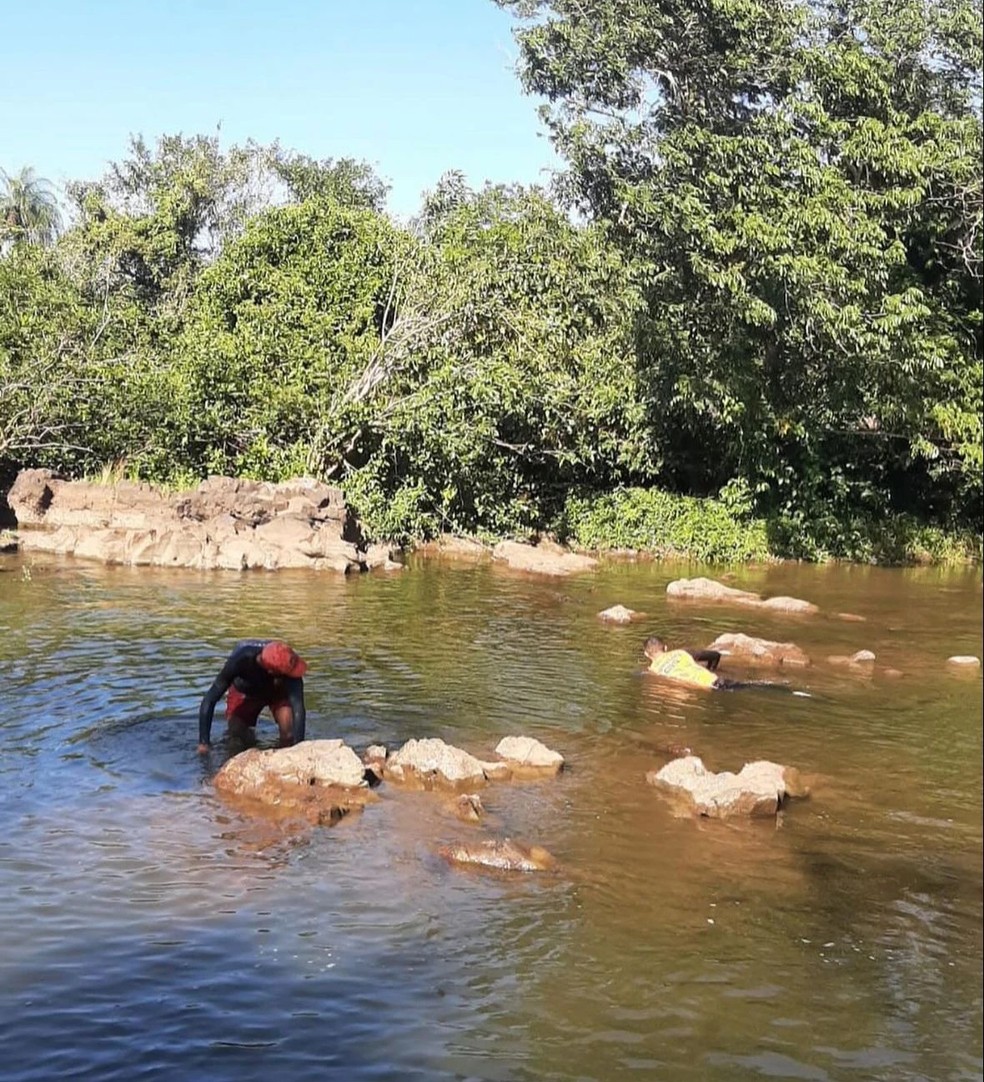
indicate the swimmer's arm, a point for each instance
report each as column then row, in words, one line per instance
column 710, row 658
column 295, row 696
column 220, row 685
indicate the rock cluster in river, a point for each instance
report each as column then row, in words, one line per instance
column 702, row 589
column 225, row 523
column 324, row 780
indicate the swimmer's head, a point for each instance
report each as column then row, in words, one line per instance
column 654, row 646
column 281, row 660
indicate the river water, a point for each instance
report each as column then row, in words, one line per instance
column 147, row 931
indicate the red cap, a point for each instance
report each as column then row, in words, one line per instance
column 282, row 660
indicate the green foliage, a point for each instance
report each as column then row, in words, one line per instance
column 654, row 521
column 280, row 330
column 29, row 211
column 801, row 187
column 895, row 539
column 761, row 336
column 508, row 371
column 345, row 181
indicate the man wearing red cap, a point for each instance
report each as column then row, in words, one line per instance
column 257, row 674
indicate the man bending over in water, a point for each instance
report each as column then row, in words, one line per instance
column 257, row 674
column 697, row 668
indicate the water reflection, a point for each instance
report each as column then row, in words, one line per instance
column 147, row 930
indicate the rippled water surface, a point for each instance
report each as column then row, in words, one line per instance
column 149, row 932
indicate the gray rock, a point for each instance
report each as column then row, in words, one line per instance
column 757, row 790
column 619, row 614
column 526, row 753
column 545, row 558
column 761, row 651
column 431, row 762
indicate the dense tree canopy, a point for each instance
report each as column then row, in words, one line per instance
column 801, row 187
column 758, row 281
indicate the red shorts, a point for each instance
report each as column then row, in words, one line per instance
column 245, row 709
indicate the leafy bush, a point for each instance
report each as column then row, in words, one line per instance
column 655, row 521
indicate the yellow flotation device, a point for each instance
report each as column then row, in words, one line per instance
column 678, row 665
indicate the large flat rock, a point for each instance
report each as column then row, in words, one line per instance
column 758, row 790
column 225, row 523
column 321, row 780
column 703, row 589
column 760, row 651
column 545, row 558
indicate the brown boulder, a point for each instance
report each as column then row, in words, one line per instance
column 703, row 589
column 757, row 791
column 468, row 807
column 321, row 780
column 760, row 651
column 451, row 547
column 226, row 523
column 545, row 558
column 499, row 855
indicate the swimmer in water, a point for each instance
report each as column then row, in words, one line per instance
column 698, row 668
column 257, row 674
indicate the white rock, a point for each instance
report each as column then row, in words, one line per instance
column 525, row 751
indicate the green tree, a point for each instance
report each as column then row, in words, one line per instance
column 28, row 209
column 800, row 185
column 506, row 376
column 346, row 181
column 281, row 327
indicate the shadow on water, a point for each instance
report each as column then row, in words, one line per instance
column 149, row 931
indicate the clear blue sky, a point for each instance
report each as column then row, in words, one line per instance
column 415, row 87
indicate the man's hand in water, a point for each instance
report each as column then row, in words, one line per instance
column 203, row 749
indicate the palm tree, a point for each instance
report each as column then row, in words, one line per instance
column 28, row 208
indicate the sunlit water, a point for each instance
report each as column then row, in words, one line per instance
column 149, row 932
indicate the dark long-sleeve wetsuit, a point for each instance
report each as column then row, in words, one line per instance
column 243, row 671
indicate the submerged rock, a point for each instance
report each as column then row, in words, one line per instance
column 862, row 659
column 758, row 790
column 703, row 589
column 525, row 754
column 619, row 614
column 762, row 651
column 468, row 807
column 503, row 855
